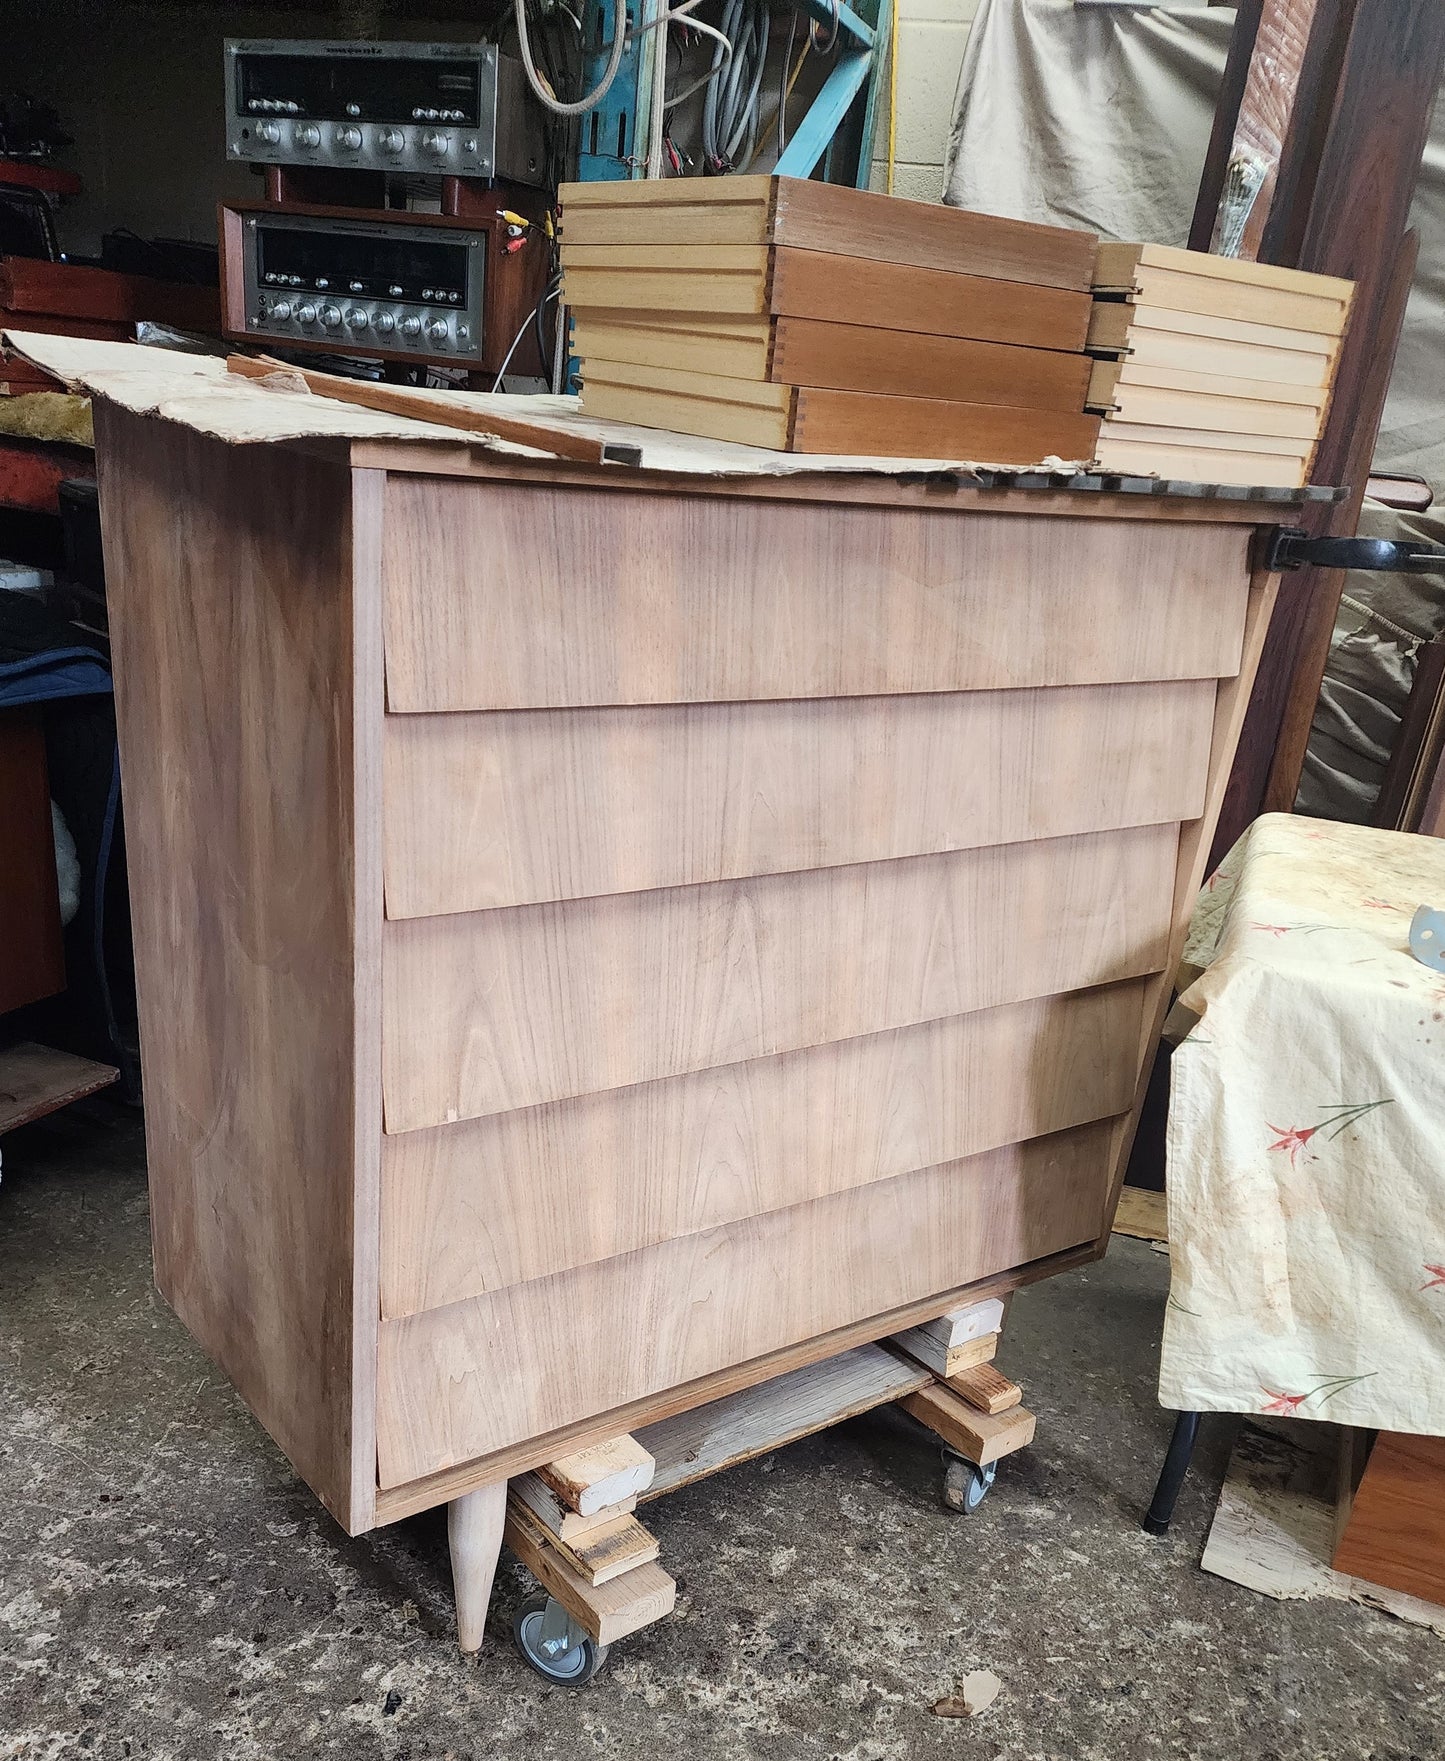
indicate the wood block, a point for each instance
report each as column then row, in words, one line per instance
column 607, row 1611
column 975, row 1321
column 692, row 1445
column 945, row 1360
column 1395, row 1533
column 594, row 1478
column 604, row 1552
column 983, row 1387
column 560, row 1522
column 977, row 1436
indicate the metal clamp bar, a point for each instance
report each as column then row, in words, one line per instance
column 1291, row 548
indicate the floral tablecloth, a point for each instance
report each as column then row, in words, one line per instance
column 1306, row 1168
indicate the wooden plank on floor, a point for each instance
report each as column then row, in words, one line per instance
column 1142, row 1214
column 975, row 1435
column 605, row 1611
column 36, row 1080
column 596, row 1477
column 740, row 1427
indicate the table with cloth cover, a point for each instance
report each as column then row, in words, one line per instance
column 1306, row 1167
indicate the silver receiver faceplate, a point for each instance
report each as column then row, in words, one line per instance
column 455, row 109
column 365, row 285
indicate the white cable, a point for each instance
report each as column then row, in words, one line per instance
column 697, row 24
column 620, row 39
column 656, row 110
column 594, row 97
column 530, row 319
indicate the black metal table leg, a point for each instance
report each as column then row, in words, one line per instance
column 1171, row 1476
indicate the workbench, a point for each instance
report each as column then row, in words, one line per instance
column 607, row 936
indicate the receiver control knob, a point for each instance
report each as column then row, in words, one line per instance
column 411, row 325
column 306, row 134
column 385, row 323
column 357, row 318
column 270, row 132
column 391, row 140
column 348, row 137
column 437, row 330
column 437, row 141
column 331, row 317
column 306, row 313
column 280, row 311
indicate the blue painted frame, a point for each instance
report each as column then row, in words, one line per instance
column 855, row 67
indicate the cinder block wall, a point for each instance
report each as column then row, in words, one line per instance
column 931, row 37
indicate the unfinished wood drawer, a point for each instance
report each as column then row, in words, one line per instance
column 540, row 1002
column 691, row 598
column 490, row 810
column 479, row 1205
column 458, row 1382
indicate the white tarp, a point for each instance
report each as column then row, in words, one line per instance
column 1099, row 116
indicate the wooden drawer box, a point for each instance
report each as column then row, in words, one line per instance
column 603, row 938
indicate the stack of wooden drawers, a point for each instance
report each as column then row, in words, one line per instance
column 812, row 318
column 1209, row 368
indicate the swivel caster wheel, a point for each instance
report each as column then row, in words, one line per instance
column 965, row 1483
column 553, row 1644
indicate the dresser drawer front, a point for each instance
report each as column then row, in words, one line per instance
column 482, row 811
column 457, row 1383
column 695, row 599
column 495, row 1010
column 474, row 1207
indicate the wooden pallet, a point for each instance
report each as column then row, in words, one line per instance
column 572, row 1522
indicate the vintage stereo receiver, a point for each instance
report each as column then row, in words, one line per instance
column 400, row 285
column 441, row 108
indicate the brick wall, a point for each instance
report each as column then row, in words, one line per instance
column 931, row 38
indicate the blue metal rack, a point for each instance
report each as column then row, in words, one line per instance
column 613, row 139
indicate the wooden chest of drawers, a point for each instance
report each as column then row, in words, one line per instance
column 604, row 938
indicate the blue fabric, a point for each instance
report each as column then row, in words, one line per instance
column 53, row 673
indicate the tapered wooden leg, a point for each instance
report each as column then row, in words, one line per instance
column 474, row 1528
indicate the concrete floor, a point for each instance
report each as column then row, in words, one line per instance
column 168, row 1589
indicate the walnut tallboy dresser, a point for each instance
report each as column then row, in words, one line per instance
column 606, row 936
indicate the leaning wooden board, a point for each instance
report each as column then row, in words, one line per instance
column 802, row 857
